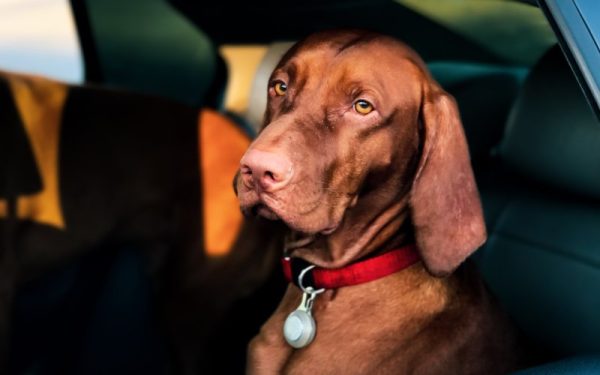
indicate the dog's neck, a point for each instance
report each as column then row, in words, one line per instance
column 369, row 228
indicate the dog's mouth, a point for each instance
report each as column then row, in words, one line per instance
column 318, row 214
column 263, row 210
column 294, row 222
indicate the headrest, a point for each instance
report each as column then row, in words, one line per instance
column 152, row 49
column 552, row 134
column 258, row 94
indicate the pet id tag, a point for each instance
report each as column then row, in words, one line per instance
column 300, row 328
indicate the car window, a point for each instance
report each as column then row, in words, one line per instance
column 576, row 22
column 514, row 31
column 39, row 36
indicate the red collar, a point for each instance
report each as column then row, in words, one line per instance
column 353, row 274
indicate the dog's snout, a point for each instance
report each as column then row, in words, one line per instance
column 268, row 170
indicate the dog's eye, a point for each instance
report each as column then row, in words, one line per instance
column 280, row 88
column 363, row 107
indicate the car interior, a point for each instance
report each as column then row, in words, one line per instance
column 157, row 79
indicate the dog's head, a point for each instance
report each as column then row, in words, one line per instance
column 355, row 130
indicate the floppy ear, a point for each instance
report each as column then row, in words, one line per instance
column 444, row 201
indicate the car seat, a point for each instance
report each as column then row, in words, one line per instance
column 541, row 198
column 149, row 47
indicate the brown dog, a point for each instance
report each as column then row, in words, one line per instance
column 361, row 153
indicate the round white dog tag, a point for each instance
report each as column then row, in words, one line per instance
column 299, row 329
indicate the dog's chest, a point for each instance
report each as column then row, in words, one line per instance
column 359, row 330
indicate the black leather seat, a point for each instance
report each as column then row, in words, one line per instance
column 541, row 197
column 485, row 94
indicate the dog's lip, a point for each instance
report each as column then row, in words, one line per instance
column 266, row 212
column 305, row 240
column 266, row 206
column 329, row 230
column 271, row 212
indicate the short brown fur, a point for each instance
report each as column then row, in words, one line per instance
column 364, row 185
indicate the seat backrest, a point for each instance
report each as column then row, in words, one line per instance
column 542, row 204
column 83, row 165
column 92, row 173
column 485, row 94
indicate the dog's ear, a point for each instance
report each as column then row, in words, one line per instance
column 444, row 201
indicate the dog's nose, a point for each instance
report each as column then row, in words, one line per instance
column 268, row 170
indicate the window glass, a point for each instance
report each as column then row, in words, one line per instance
column 514, row 31
column 40, row 37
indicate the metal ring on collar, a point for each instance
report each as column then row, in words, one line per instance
column 309, row 289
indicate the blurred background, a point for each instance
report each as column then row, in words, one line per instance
column 41, row 36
